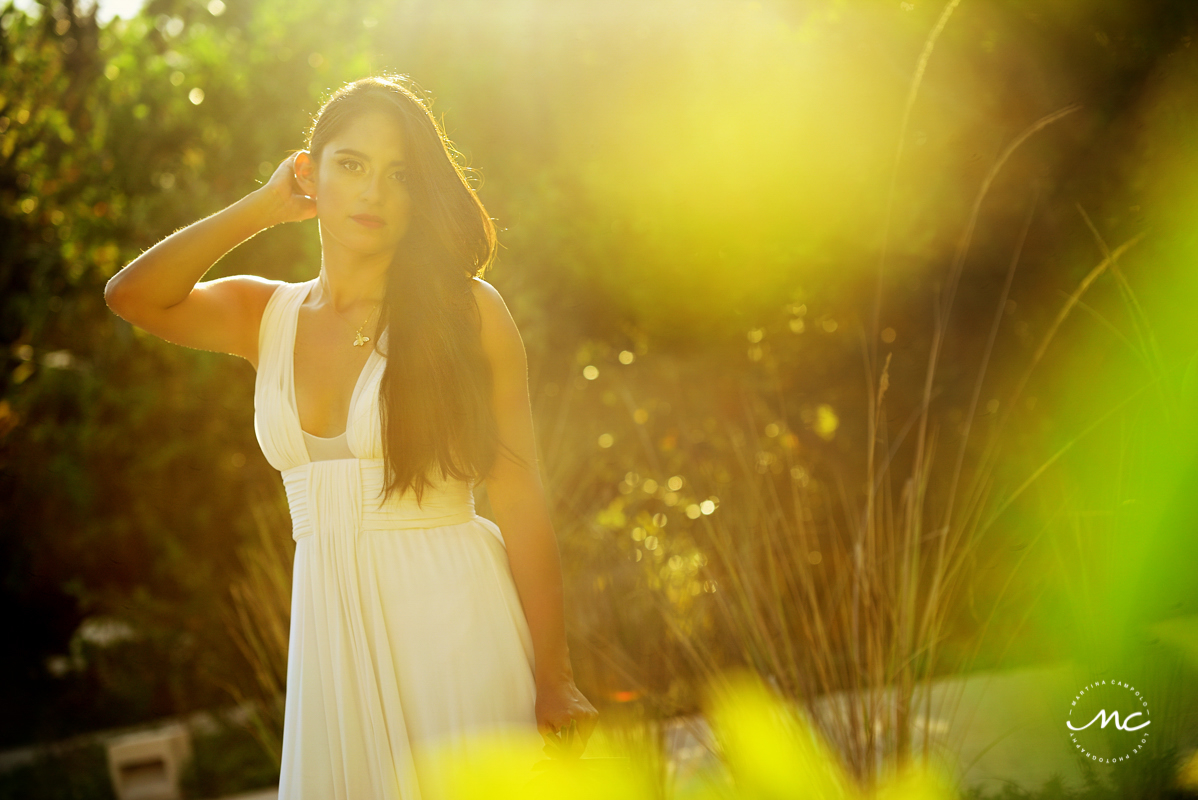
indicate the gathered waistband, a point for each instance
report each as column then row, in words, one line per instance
column 347, row 494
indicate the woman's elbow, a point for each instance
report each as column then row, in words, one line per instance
column 113, row 295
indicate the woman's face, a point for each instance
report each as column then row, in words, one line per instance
column 360, row 184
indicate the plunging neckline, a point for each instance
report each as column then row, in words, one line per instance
column 353, row 398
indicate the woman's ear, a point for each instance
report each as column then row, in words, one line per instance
column 305, row 173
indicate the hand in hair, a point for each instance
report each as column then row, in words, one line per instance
column 288, row 203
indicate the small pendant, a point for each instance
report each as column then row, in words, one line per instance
column 360, row 339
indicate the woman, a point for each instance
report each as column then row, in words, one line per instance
column 386, row 387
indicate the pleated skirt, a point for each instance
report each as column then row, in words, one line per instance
column 404, row 645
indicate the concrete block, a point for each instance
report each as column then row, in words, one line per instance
column 147, row 765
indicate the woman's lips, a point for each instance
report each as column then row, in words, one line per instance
column 368, row 220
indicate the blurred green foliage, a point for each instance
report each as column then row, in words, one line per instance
column 689, row 201
column 225, row 762
column 76, row 773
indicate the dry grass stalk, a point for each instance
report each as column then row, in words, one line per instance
column 258, row 619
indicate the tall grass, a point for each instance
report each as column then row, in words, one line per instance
column 842, row 603
column 848, row 615
column 258, row 619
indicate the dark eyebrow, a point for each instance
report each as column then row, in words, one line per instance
column 365, row 157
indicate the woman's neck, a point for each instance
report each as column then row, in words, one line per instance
column 349, row 280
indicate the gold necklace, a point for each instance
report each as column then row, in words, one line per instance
column 359, row 339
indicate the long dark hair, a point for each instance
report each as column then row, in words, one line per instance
column 435, row 396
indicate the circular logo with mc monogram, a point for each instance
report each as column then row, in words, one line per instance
column 1109, row 721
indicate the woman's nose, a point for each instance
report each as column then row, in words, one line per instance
column 374, row 187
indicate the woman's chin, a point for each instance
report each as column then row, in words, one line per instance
column 363, row 243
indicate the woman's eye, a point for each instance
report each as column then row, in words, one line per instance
column 349, row 165
column 402, row 176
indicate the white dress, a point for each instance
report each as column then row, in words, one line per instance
column 407, row 631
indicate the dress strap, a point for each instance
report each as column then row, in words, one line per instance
column 270, row 326
column 281, row 441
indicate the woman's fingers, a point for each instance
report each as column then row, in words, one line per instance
column 565, row 719
column 587, row 726
column 305, row 206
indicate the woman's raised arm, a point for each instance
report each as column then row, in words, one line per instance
column 159, row 291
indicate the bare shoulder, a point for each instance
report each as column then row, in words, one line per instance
column 253, row 291
column 258, row 292
column 486, row 294
column 491, row 306
column 500, row 337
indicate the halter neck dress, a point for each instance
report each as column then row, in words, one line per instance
column 407, row 634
